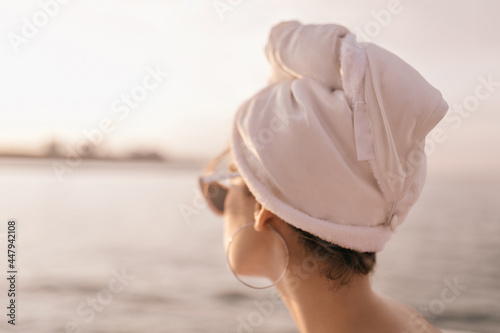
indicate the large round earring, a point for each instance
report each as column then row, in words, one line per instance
column 260, row 266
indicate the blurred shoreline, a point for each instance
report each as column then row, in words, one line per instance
column 35, row 161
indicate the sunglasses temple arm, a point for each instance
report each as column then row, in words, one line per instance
column 217, row 177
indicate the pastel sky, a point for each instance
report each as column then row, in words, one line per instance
column 71, row 72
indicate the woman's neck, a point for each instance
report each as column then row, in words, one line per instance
column 317, row 307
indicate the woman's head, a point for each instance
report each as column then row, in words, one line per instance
column 333, row 148
column 261, row 242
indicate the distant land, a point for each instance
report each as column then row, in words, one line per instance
column 57, row 150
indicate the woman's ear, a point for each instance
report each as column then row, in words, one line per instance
column 261, row 216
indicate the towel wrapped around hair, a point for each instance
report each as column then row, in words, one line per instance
column 334, row 145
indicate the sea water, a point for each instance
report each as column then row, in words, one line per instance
column 130, row 247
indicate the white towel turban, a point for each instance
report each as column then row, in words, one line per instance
column 334, row 145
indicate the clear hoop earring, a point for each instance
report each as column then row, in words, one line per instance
column 250, row 280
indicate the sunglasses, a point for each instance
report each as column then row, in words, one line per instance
column 214, row 188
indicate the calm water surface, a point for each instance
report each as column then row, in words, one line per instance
column 108, row 219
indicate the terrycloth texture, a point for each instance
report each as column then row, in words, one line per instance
column 334, row 144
